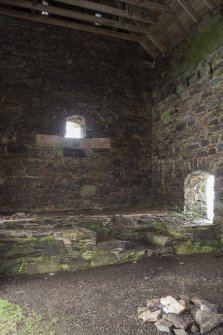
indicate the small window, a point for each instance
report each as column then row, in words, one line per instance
column 46, row 4
column 199, row 195
column 75, row 127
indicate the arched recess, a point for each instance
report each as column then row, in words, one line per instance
column 199, row 195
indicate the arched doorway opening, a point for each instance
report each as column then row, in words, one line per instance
column 199, row 195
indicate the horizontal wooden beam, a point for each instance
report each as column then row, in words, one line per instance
column 108, row 10
column 72, row 143
column 66, row 24
column 76, row 15
column 189, row 10
column 147, row 4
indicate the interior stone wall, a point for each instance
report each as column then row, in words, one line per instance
column 48, row 74
column 187, row 115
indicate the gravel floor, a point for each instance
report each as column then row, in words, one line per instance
column 104, row 301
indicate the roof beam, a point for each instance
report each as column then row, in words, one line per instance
column 210, row 4
column 147, row 4
column 189, row 10
column 76, row 15
column 144, row 43
column 66, row 24
column 108, row 10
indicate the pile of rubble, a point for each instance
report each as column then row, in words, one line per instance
column 185, row 316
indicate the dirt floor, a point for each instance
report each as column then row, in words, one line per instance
column 104, row 301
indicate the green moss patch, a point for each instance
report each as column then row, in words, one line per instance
column 14, row 320
column 205, row 40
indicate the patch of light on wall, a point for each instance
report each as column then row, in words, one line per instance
column 73, row 130
column 210, row 198
column 98, row 15
column 45, row 3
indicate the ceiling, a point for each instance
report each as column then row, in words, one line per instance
column 155, row 24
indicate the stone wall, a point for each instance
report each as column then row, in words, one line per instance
column 48, row 74
column 187, row 115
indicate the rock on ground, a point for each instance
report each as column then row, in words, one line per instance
column 163, row 326
column 171, row 305
column 204, row 305
column 149, row 316
column 207, row 320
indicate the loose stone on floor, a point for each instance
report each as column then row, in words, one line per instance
column 184, row 316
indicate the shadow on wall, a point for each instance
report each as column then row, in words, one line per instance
column 199, row 195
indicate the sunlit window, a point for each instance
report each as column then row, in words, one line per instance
column 210, row 198
column 73, row 130
column 75, row 127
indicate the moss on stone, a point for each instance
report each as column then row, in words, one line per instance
column 88, row 191
column 131, row 255
column 104, row 259
column 206, row 39
column 14, row 320
column 191, row 247
column 165, row 117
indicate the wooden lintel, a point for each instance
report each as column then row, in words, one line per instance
column 72, row 143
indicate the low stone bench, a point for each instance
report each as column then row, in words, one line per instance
column 57, row 243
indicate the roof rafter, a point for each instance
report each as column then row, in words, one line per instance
column 210, row 4
column 67, row 24
column 147, row 4
column 107, row 9
column 189, row 10
column 76, row 15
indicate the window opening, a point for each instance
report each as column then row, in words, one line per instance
column 75, row 127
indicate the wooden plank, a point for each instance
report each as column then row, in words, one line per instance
column 210, row 4
column 175, row 19
column 72, row 143
column 189, row 10
column 76, row 15
column 95, row 143
column 48, row 140
column 145, row 44
column 67, row 24
column 157, row 43
column 153, row 39
column 147, row 4
column 108, row 9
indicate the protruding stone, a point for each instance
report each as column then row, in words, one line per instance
column 171, row 305
column 195, row 330
column 163, row 326
column 180, row 332
column 186, row 299
column 178, row 321
column 208, row 320
column 141, row 310
column 111, row 244
column 159, row 240
column 204, row 305
column 153, row 304
column 149, row 316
